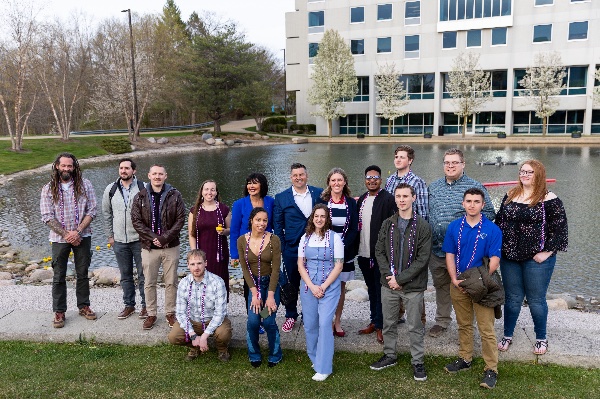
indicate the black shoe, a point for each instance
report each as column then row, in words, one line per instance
column 272, row 364
column 256, row 364
column 458, row 365
column 385, row 362
column 419, row 372
column 489, row 379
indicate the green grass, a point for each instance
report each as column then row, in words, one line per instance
column 87, row 370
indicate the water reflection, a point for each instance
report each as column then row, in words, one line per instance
column 575, row 169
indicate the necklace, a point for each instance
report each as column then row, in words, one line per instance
column 347, row 222
column 61, row 205
column 189, row 309
column 220, row 221
column 462, row 225
column 260, row 249
column 360, row 211
column 412, row 237
column 155, row 223
column 543, row 238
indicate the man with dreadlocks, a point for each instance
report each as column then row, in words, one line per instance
column 68, row 206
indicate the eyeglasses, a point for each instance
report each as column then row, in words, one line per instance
column 372, row 177
column 453, row 163
column 526, row 172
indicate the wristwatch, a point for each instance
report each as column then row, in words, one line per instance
column 193, row 337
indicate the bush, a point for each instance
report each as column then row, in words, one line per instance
column 270, row 123
column 305, row 128
column 116, row 145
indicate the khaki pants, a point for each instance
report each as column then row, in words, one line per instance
column 464, row 308
column 441, row 282
column 151, row 262
column 222, row 334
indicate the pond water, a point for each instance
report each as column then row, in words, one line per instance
column 574, row 168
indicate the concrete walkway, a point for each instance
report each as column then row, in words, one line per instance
column 574, row 337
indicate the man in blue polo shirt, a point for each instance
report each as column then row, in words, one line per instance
column 468, row 240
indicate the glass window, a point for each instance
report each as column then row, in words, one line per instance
column 384, row 12
column 544, row 2
column 506, row 7
column 411, row 46
column 487, row 8
column 357, row 14
column 316, row 21
column 444, row 10
column 384, row 44
column 469, row 11
column 449, row 40
column 363, row 89
column 412, row 13
column 357, row 46
column 418, row 86
column 460, row 10
column 580, row 1
column 496, row 8
column 578, row 30
column 499, row 36
column 354, row 123
column 313, row 49
column 478, row 8
column 474, row 38
column 575, row 81
column 542, row 33
column 413, row 123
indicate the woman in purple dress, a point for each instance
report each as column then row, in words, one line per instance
column 208, row 227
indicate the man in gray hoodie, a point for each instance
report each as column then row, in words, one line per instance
column 122, row 237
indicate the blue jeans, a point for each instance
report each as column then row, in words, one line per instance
column 269, row 324
column 372, row 278
column 526, row 279
column 291, row 268
column 127, row 254
column 82, row 256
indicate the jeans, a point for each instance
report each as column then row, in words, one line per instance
column 526, row 279
column 291, row 268
column 269, row 324
column 82, row 255
column 372, row 278
column 127, row 254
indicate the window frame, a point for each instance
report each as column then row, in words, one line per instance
column 455, row 40
column 587, row 31
column 311, row 60
column 412, row 52
column 505, row 28
column 542, row 41
column 535, row 3
column 363, row 16
column 467, row 38
column 384, row 52
column 363, row 47
column 391, row 12
column 409, row 21
column 316, row 28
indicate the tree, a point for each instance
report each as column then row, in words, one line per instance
column 468, row 85
column 334, row 78
column 17, row 92
column 542, row 83
column 391, row 94
column 597, row 88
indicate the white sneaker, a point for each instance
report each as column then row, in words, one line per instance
column 320, row 377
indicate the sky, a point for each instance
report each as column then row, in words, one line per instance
column 263, row 21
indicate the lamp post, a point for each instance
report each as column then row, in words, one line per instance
column 284, row 86
column 136, row 114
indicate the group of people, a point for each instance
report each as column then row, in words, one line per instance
column 304, row 242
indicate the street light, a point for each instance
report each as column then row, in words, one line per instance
column 136, row 115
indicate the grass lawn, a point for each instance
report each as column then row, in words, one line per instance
column 87, row 370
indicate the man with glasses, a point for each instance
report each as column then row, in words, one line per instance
column 445, row 206
column 374, row 207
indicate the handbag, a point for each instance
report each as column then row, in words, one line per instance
column 287, row 293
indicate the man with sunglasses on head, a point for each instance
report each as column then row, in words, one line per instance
column 445, row 206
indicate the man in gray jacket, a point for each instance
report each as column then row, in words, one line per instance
column 125, row 241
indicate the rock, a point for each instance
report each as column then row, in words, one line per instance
column 39, row 275
column 219, row 142
column 580, row 298
column 162, row 140
column 256, row 136
column 31, row 267
column 9, row 256
column 594, row 302
column 5, row 276
column 16, row 266
column 38, row 261
column 232, row 282
column 238, row 141
column 47, row 281
column 151, row 140
column 181, row 273
column 299, row 140
column 206, row 136
column 557, row 304
column 7, row 282
column 107, row 275
column 358, row 295
column 210, row 141
column 354, row 284
column 230, row 143
column 4, row 243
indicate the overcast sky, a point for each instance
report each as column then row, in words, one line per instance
column 262, row 20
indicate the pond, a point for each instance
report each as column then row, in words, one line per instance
column 574, row 168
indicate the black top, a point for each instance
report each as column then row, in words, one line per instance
column 528, row 230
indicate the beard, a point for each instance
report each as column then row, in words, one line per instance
column 126, row 178
column 66, row 175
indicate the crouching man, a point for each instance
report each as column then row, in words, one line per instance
column 201, row 310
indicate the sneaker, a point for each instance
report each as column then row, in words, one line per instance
column 87, row 313
column 192, row 354
column 149, row 323
column 458, row 365
column 320, row 377
column 128, row 311
column 143, row 313
column 288, row 325
column 489, row 379
column 171, row 319
column 261, row 330
column 59, row 320
column 385, row 362
column 436, row 331
column 224, row 356
column 419, row 372
column 256, row 363
column 504, row 344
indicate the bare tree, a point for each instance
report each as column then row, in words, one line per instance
column 17, row 94
column 597, row 88
column 62, row 70
column 391, row 94
column 468, row 86
column 542, row 83
column 334, row 78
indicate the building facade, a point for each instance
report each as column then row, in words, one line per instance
column 422, row 38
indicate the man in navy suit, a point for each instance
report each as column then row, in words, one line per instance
column 290, row 213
